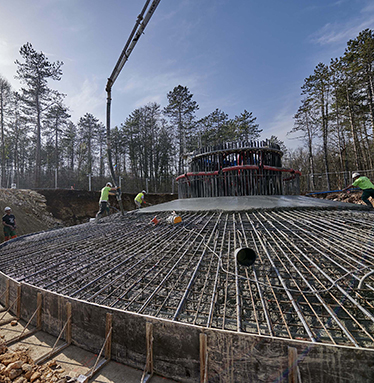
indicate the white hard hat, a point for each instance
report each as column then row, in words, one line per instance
column 354, row 175
column 109, row 184
column 144, row 192
column 7, row 208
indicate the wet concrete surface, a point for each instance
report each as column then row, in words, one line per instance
column 248, row 203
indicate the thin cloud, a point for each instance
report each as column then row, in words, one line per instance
column 283, row 122
column 87, row 100
column 161, row 84
column 337, row 33
column 8, row 54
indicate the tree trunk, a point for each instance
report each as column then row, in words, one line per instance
column 2, row 175
column 324, row 141
column 371, row 108
column 353, row 131
column 56, row 153
column 38, row 146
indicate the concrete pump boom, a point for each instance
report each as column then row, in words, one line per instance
column 137, row 31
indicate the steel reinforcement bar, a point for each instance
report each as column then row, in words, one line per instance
column 303, row 284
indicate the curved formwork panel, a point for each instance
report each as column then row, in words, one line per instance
column 208, row 315
column 190, row 353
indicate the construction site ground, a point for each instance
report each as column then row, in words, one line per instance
column 37, row 211
column 53, row 208
column 46, row 210
column 249, row 203
column 351, row 197
column 69, row 364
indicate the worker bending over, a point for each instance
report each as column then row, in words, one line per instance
column 363, row 183
column 139, row 199
column 106, row 191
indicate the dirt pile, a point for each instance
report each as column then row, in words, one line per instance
column 73, row 207
column 30, row 210
column 352, row 197
column 18, row 367
column 47, row 209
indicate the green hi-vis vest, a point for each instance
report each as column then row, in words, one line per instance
column 139, row 197
column 105, row 193
column 363, row 183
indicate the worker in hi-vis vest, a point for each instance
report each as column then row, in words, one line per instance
column 365, row 185
column 139, row 199
column 106, row 191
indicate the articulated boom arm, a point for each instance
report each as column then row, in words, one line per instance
column 137, row 31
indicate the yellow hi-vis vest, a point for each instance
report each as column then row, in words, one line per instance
column 139, row 197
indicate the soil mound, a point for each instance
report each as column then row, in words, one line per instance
column 30, row 210
column 47, row 209
column 351, row 197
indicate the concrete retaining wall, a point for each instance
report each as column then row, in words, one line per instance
column 231, row 357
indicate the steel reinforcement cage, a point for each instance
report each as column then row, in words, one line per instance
column 238, row 169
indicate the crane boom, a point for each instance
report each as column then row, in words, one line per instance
column 135, row 34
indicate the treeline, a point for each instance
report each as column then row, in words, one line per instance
column 41, row 147
column 336, row 117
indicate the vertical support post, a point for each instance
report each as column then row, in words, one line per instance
column 39, row 302
column 292, row 365
column 108, row 328
column 19, row 301
column 68, row 326
column 7, row 294
column 149, row 337
column 148, row 371
column 203, row 359
column 89, row 181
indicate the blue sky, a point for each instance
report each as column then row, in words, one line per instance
column 231, row 54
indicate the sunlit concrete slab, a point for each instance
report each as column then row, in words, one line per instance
column 248, row 203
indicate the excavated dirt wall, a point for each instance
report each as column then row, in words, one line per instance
column 47, row 209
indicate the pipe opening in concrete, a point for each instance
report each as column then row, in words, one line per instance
column 245, row 256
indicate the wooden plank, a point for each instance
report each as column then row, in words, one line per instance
column 68, row 326
column 292, row 365
column 149, row 338
column 148, row 371
column 19, row 291
column 7, row 297
column 39, row 302
column 23, row 336
column 203, row 358
column 108, row 328
column 50, row 355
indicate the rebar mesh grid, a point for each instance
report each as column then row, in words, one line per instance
column 303, row 284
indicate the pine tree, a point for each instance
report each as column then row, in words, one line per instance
column 181, row 110
column 359, row 60
column 246, row 127
column 35, row 72
column 317, row 89
column 88, row 133
column 305, row 123
column 56, row 120
column 69, row 143
column 215, row 128
column 5, row 97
